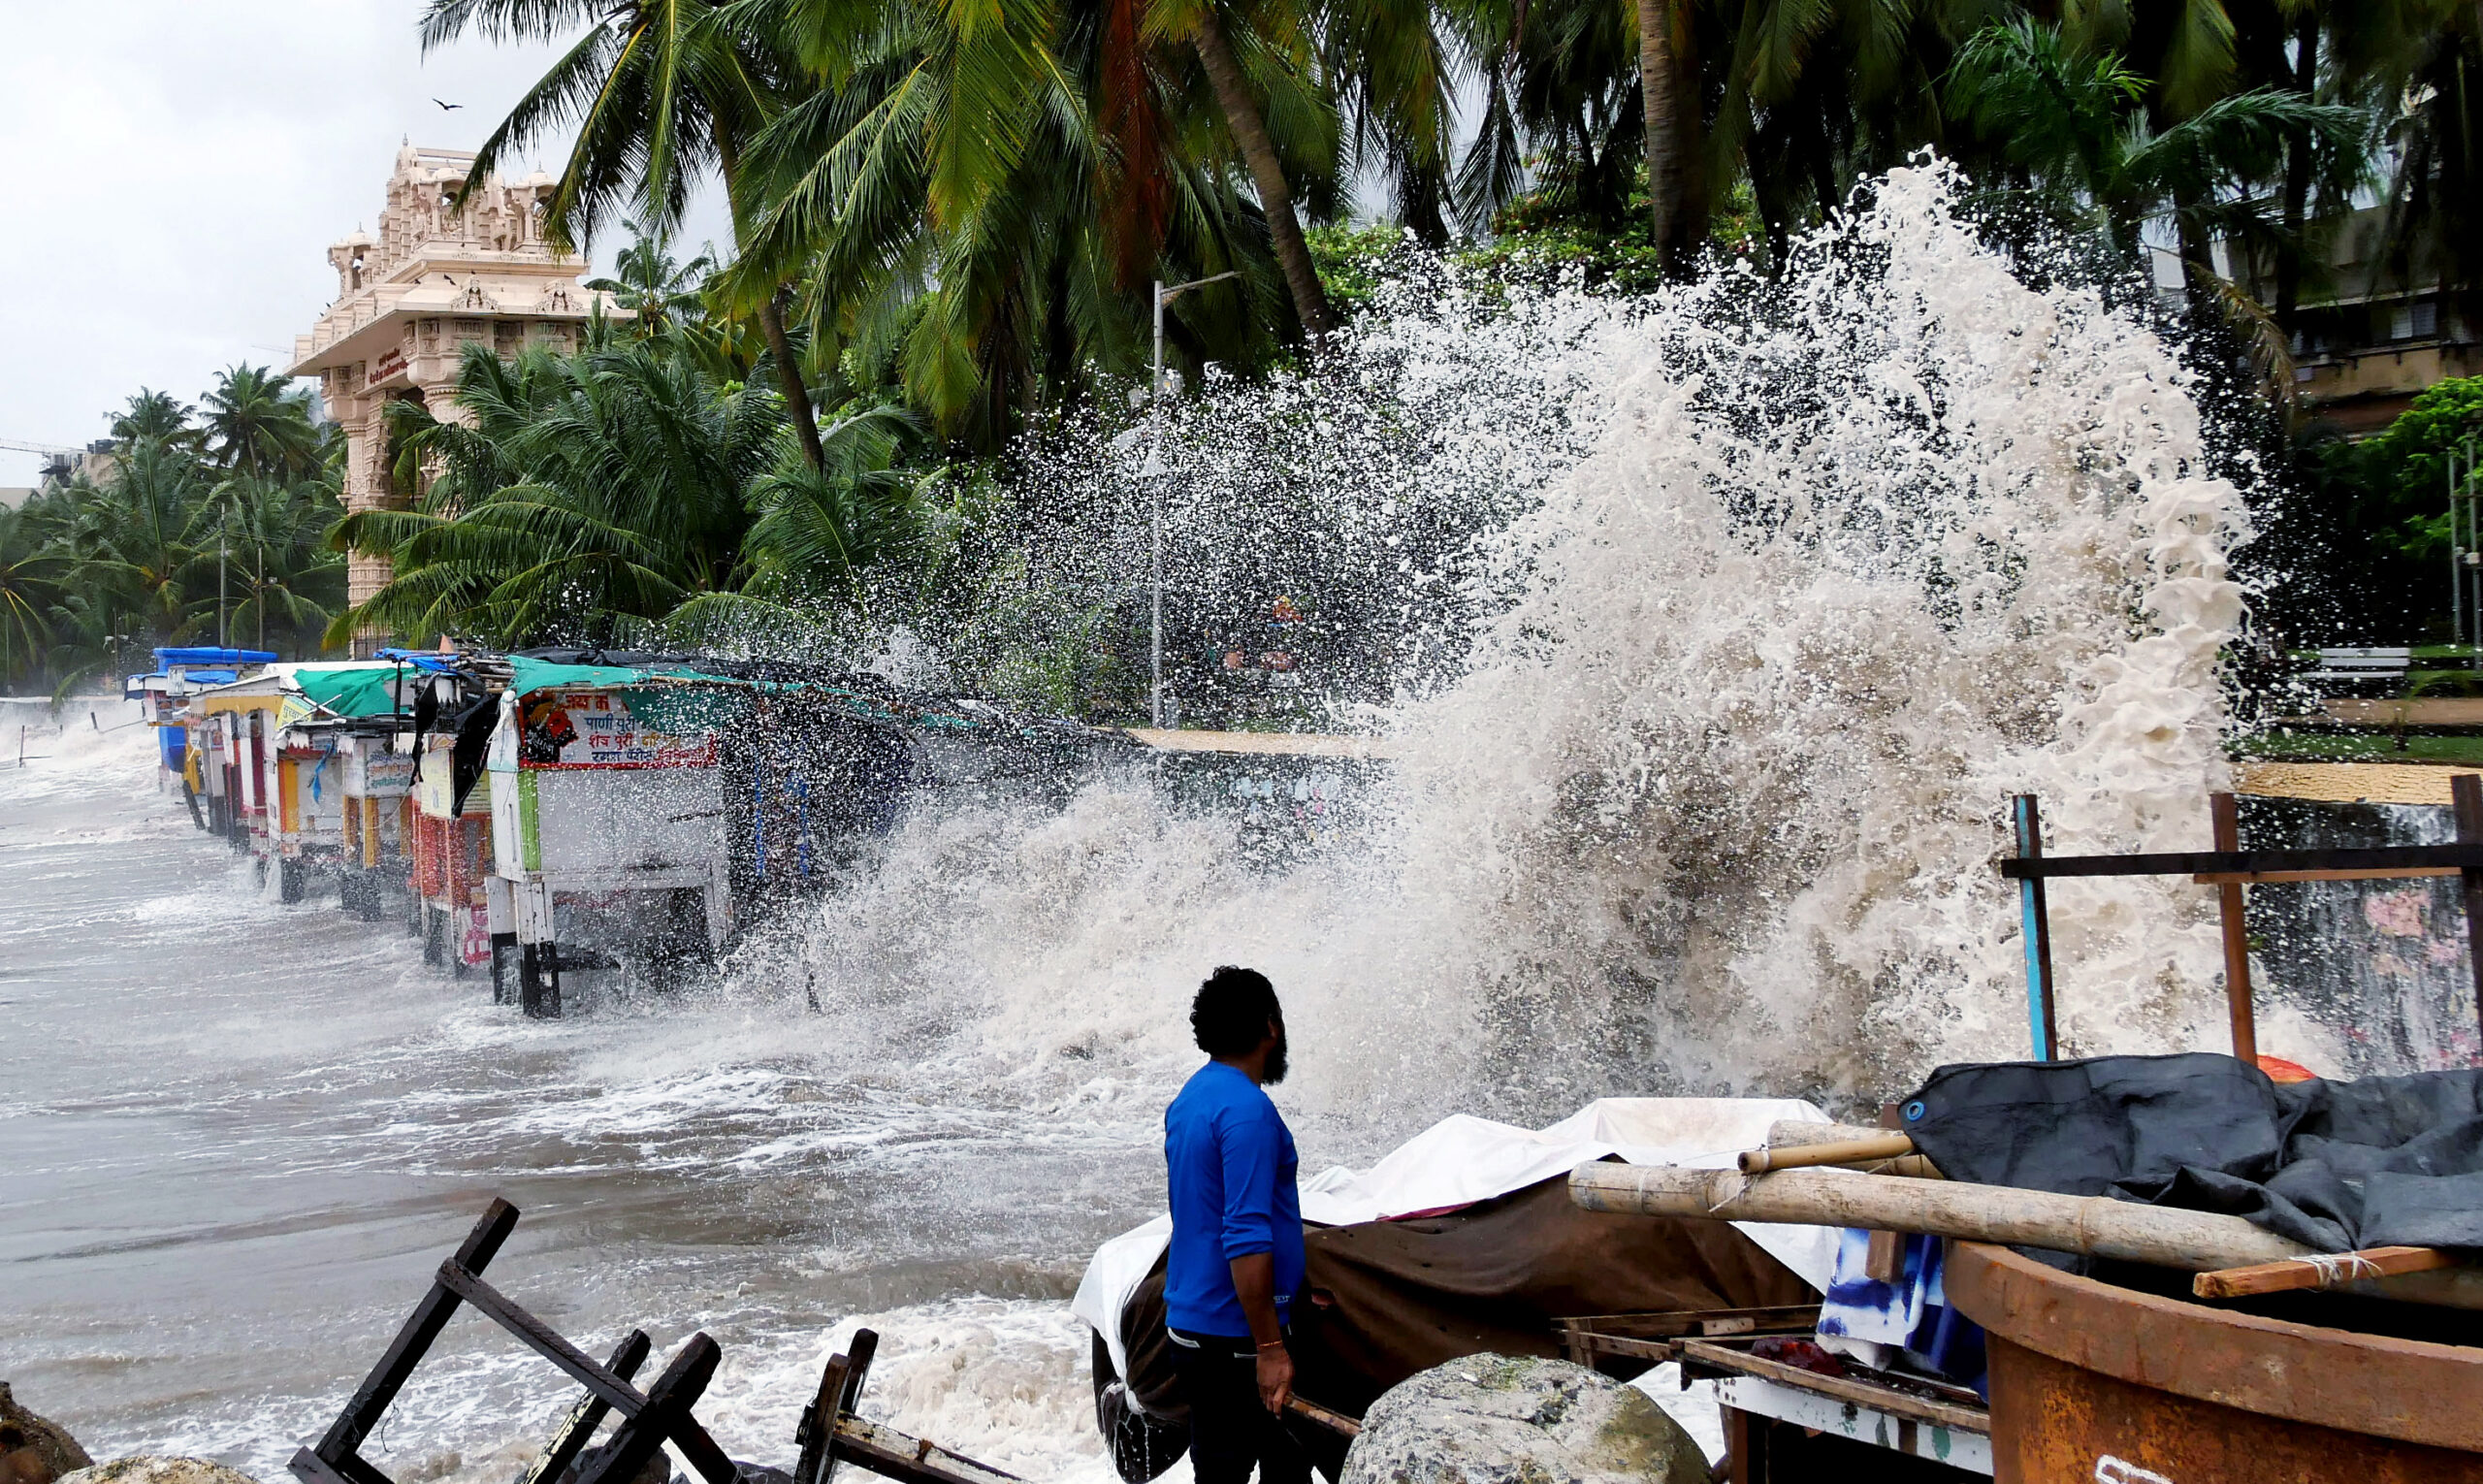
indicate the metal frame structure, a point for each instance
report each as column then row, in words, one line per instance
column 2228, row 867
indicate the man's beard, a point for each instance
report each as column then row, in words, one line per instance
column 1273, row 1072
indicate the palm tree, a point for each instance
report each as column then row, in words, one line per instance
column 1207, row 31
column 129, row 539
column 158, row 415
column 655, row 288
column 1664, row 127
column 968, row 213
column 2080, row 126
column 659, row 91
column 30, row 571
column 2435, row 196
column 590, row 490
column 257, row 426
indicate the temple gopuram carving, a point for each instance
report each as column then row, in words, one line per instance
column 432, row 280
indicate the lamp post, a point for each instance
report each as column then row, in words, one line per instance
column 1153, row 471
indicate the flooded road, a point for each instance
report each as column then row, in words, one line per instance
column 236, row 1137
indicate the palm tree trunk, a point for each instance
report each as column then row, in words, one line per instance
column 2198, row 257
column 771, row 318
column 1662, row 125
column 1275, row 197
column 789, row 380
column 2289, row 248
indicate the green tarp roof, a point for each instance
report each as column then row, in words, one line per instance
column 528, row 676
column 347, row 689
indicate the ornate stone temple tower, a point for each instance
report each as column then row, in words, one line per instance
column 434, row 280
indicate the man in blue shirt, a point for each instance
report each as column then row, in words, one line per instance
column 1235, row 1260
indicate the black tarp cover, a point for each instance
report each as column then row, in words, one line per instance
column 2334, row 1165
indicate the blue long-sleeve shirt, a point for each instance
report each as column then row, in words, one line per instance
column 1231, row 1169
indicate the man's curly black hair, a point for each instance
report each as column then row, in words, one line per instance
column 1229, row 1016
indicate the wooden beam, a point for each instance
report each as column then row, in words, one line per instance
column 665, row 1406
column 2253, row 878
column 1885, row 1398
column 816, row 1463
column 370, row 1399
column 577, row 1429
column 2462, row 855
column 310, row 1469
column 2225, row 816
column 504, row 1311
column 2326, row 1271
column 890, row 1453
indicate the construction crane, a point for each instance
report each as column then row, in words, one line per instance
column 21, row 445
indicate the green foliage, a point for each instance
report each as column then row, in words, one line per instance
column 591, row 498
column 200, row 529
column 1353, row 262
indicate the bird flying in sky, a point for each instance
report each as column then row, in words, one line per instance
column 445, row 106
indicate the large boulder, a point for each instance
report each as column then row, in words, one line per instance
column 151, row 1468
column 32, row 1449
column 1493, row 1419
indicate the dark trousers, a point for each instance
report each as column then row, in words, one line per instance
column 1231, row 1430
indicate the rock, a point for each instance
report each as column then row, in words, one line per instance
column 1493, row 1419
column 32, row 1449
column 151, row 1468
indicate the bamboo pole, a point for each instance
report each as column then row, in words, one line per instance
column 1844, row 1152
column 2095, row 1226
column 1791, row 1131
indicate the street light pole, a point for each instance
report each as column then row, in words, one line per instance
column 1153, row 473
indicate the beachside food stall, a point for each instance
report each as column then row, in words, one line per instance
column 607, row 812
column 163, row 698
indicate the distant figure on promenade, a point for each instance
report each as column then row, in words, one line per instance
column 1235, row 1260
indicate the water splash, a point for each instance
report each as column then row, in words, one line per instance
column 1774, row 592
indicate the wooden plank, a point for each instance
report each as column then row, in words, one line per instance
column 2464, row 854
column 1666, row 1323
column 816, row 1464
column 705, row 1455
column 890, row 1453
column 361, row 1412
column 2249, row 878
column 310, row 1469
column 1588, row 1344
column 626, row 1398
column 666, row 1405
column 577, row 1429
column 866, row 1348
column 2328, row 1271
column 1886, row 1398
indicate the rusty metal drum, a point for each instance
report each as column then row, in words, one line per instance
column 2097, row 1384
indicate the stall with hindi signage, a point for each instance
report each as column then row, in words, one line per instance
column 607, row 818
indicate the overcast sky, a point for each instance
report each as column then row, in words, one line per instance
column 172, row 173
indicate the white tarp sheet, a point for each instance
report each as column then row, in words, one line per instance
column 1462, row 1159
